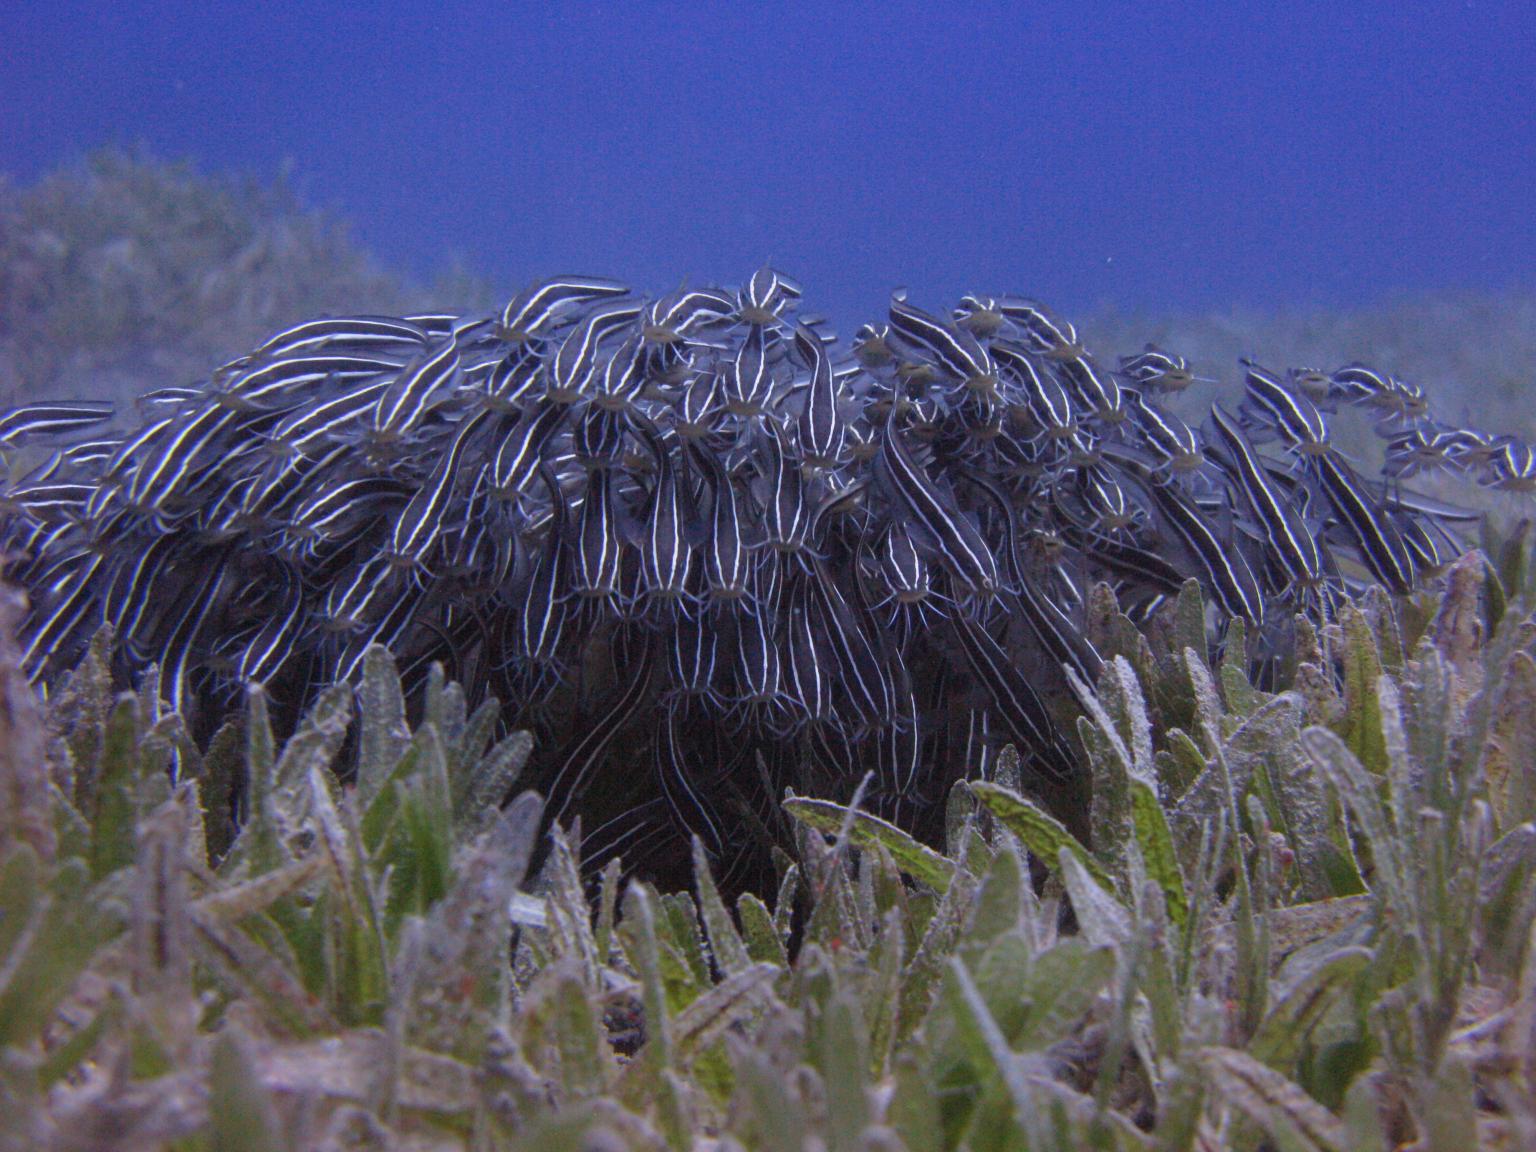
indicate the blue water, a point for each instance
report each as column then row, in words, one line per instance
column 1167, row 156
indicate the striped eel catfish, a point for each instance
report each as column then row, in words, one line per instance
column 702, row 548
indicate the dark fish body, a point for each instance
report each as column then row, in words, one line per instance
column 50, row 421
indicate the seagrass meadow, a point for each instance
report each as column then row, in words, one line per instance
column 1296, row 919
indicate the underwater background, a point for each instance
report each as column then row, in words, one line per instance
column 1305, row 182
column 981, row 729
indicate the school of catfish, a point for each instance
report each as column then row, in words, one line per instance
column 702, row 548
